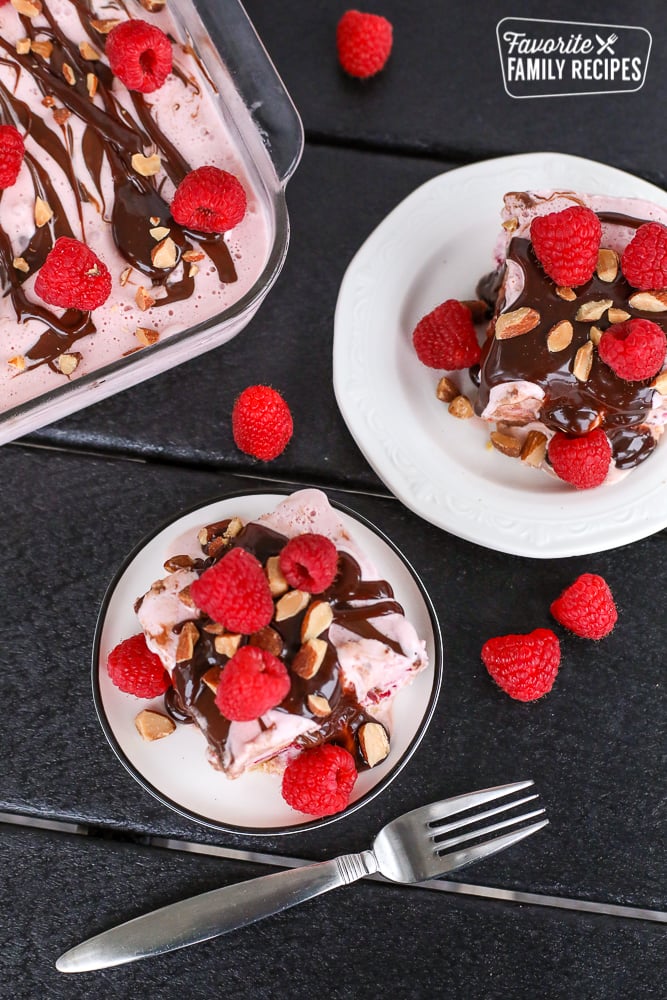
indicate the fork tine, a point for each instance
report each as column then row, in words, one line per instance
column 458, row 859
column 436, row 811
column 442, row 845
column 436, row 831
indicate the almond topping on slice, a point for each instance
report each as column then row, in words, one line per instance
column 104, row 27
column 159, row 233
column 147, row 166
column 91, row 84
column 186, row 642
column 21, row 264
column 226, row 645
column 87, row 51
column 125, row 276
column 43, row 212
column 61, row 115
column 506, row 444
column 143, row 298
column 153, row 6
column 510, row 225
column 193, row 271
column 214, row 628
column 373, row 743
column 212, row 678
column 583, row 361
column 560, row 336
column 617, row 315
column 174, row 563
column 653, row 301
column 607, row 265
column 446, row 390
column 192, row 256
column 566, row 294
column 29, row 8
column 590, row 312
column 68, row 73
column 153, row 726
column 164, row 255
column 309, row 658
column 516, row 323
column 316, row 620
column 43, row 49
column 318, row 705
column 461, row 408
column 23, row 46
column 68, row 363
column 291, row 604
column 17, row 362
column 595, row 335
column 278, row 585
column 269, row 639
column 185, row 597
column 660, row 383
column 534, row 448
column 146, row 336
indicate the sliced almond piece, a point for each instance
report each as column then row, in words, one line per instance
column 147, row 166
column 21, row 264
column 29, row 8
column 560, row 336
column 516, row 323
column 68, row 73
column 373, row 743
column 291, row 604
column 153, row 726
column 153, row 6
column 461, row 408
column 125, row 276
column 446, row 390
column 165, row 254
column 104, row 26
column 67, row 363
column 91, row 84
column 278, row 585
column 595, row 335
column 23, row 46
column 660, row 383
column 506, row 444
column 591, row 312
column 42, row 48
column 212, row 678
column 214, row 628
column 534, row 448
column 226, row 645
column 583, row 361
column 653, row 301
column 192, row 256
column 607, row 265
column 87, row 51
column 174, row 563
column 186, row 642
column 617, row 315
column 309, row 658
column 146, row 336
column 43, row 212
column 143, row 298
column 269, row 639
column 566, row 294
column 159, row 233
column 193, row 271
column 318, row 705
column 18, row 362
column 510, row 225
column 316, row 620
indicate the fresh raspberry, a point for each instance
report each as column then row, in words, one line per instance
column 644, row 260
column 586, row 607
column 566, row 244
column 446, row 338
column 309, row 562
column 261, row 422
column 252, row 682
column 524, row 666
column 136, row 670
column 73, row 277
column 583, row 462
column 634, row 350
column 364, row 43
column 11, row 155
column 320, row 780
column 235, row 593
column 139, row 55
column 209, row 200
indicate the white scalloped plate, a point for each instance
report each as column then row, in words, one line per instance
column 436, row 245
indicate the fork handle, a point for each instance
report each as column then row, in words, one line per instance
column 212, row 913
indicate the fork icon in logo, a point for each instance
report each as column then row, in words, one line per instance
column 606, row 46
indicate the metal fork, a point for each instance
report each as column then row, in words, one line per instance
column 412, row 848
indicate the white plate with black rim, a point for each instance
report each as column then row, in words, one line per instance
column 436, row 245
column 175, row 769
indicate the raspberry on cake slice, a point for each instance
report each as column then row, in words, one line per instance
column 573, row 365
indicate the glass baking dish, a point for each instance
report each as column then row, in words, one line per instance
column 256, row 110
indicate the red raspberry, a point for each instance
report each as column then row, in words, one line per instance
column 11, row 155
column 251, row 683
column 136, row 670
column 320, row 781
column 581, row 461
column 209, row 200
column 261, row 422
column 364, row 43
column 644, row 260
column 586, row 607
column 634, row 350
column 309, row 562
column 524, row 666
column 139, row 55
column 235, row 593
column 73, row 277
column 446, row 338
column 566, row 244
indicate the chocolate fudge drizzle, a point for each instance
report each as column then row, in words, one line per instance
column 571, row 406
column 113, row 135
column 192, row 697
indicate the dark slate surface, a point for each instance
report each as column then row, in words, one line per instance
column 352, row 943
column 442, row 91
column 595, row 746
column 335, row 202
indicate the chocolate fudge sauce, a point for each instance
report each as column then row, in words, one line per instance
column 111, row 134
column 569, row 405
column 193, row 697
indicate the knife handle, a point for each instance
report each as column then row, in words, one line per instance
column 212, row 913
